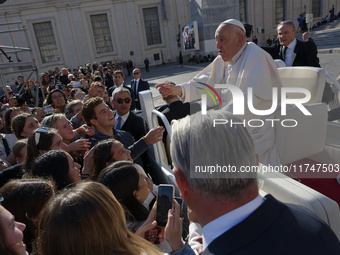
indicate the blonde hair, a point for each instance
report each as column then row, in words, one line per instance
column 87, row 219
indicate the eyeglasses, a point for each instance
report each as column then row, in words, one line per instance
column 135, row 73
column 121, row 100
column 57, row 96
column 37, row 134
column 11, row 93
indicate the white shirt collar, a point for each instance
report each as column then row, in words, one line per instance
column 225, row 222
column 292, row 45
column 289, row 53
column 124, row 117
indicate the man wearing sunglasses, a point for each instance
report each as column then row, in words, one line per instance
column 127, row 120
column 138, row 85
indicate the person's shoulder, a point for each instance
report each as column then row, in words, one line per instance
column 300, row 219
column 300, row 43
column 135, row 118
column 127, row 87
column 11, row 138
column 122, row 134
column 253, row 51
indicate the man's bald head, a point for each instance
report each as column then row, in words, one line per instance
column 305, row 36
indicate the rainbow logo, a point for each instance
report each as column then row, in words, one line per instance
column 209, row 93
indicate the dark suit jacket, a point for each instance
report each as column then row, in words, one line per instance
column 305, row 53
column 134, row 125
column 142, row 85
column 276, row 228
column 177, row 110
column 108, row 80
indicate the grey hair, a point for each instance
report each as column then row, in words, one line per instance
column 121, row 89
column 287, row 22
column 196, row 142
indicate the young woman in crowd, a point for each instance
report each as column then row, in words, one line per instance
column 25, row 199
column 11, row 237
column 106, row 152
column 23, row 125
column 57, row 165
column 20, row 151
column 2, row 119
column 64, row 77
column 39, row 142
column 109, row 151
column 87, row 219
column 65, row 130
column 76, row 147
column 9, row 115
column 7, row 142
column 130, row 187
column 57, row 99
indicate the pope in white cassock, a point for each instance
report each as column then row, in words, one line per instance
column 244, row 65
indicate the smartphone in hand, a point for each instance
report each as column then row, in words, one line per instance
column 165, row 198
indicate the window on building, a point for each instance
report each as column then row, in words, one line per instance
column 243, row 10
column 279, row 11
column 151, row 23
column 316, row 8
column 156, row 57
column 46, row 42
column 101, row 33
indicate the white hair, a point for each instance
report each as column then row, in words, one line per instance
column 198, row 144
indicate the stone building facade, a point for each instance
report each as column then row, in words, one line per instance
column 72, row 33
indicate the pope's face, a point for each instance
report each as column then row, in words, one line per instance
column 228, row 41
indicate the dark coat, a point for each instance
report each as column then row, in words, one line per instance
column 277, row 228
column 142, row 85
column 305, row 53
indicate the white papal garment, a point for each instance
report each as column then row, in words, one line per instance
column 250, row 67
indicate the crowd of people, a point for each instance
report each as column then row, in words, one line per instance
column 76, row 173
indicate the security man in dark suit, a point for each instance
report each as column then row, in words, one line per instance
column 126, row 119
column 138, row 85
column 292, row 51
column 129, row 121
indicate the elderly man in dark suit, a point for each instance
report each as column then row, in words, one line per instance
column 234, row 217
column 292, row 51
column 126, row 119
column 138, row 85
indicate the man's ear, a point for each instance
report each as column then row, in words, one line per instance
column 93, row 122
column 182, row 182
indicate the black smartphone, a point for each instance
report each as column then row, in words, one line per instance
column 180, row 202
column 165, row 197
